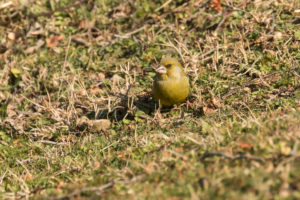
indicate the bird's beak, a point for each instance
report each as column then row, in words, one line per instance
column 161, row 70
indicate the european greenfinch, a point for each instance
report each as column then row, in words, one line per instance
column 171, row 84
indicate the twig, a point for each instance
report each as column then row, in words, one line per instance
column 162, row 6
column 99, row 190
column 2, row 177
column 225, row 15
column 294, row 150
column 36, row 104
column 242, row 4
column 252, row 66
column 239, row 157
column 51, row 142
column 109, row 145
column 127, row 35
column 212, row 50
column 64, row 68
column 255, row 158
column 80, row 42
column 193, row 140
column 273, row 24
column 212, row 154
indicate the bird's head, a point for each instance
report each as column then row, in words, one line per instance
column 169, row 68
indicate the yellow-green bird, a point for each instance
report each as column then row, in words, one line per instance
column 171, row 84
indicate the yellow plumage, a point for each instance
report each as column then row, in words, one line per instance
column 171, row 84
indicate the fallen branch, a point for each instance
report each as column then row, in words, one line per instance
column 238, row 157
column 98, row 190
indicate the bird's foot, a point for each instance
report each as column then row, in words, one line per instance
column 188, row 105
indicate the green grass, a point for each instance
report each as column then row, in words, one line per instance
column 77, row 118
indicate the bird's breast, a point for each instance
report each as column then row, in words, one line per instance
column 171, row 91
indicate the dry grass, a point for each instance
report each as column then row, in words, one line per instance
column 77, row 116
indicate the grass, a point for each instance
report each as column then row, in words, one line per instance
column 77, row 116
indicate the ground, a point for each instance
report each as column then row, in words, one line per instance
column 78, row 119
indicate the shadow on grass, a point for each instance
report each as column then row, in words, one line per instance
column 128, row 108
column 141, row 106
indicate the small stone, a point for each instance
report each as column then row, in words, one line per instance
column 116, row 79
column 277, row 35
column 11, row 36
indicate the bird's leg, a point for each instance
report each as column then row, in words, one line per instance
column 177, row 108
column 180, row 109
column 157, row 115
column 181, row 114
column 188, row 105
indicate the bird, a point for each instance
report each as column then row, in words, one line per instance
column 171, row 84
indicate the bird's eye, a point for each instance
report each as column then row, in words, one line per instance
column 168, row 65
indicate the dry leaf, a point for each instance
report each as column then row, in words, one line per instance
column 15, row 142
column 6, row 5
column 28, row 177
column 216, row 5
column 11, row 36
column 245, row 145
column 35, row 30
column 11, row 111
column 38, row 45
column 208, row 110
column 216, row 102
column 54, row 40
column 96, row 91
column 101, row 76
column 85, row 24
